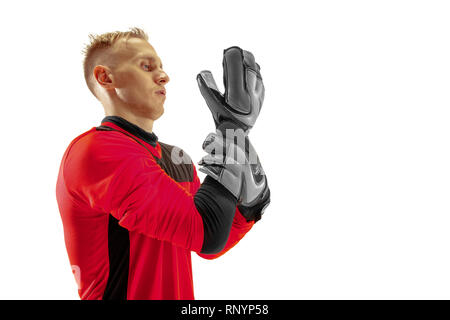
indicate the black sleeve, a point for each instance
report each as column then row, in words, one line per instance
column 217, row 207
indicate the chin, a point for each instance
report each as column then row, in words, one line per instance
column 157, row 115
column 152, row 111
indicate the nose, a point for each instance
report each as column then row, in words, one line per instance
column 163, row 78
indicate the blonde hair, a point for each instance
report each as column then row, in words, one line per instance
column 98, row 51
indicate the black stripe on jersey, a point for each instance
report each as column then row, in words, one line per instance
column 119, row 260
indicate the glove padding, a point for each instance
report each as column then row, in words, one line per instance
column 236, row 166
column 244, row 90
column 255, row 212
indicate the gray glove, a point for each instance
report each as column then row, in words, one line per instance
column 236, row 166
column 237, row 109
column 244, row 90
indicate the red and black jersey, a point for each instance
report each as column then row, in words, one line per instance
column 129, row 216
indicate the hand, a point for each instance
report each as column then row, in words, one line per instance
column 244, row 91
column 233, row 162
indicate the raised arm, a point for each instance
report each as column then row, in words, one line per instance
column 115, row 176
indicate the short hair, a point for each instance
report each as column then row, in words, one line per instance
column 100, row 47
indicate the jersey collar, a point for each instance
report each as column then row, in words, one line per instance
column 148, row 137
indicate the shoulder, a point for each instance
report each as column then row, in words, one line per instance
column 96, row 157
column 95, row 152
column 97, row 145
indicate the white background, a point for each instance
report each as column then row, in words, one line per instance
column 354, row 137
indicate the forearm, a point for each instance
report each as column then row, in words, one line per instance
column 239, row 229
column 217, row 207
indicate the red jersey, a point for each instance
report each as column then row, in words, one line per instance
column 129, row 217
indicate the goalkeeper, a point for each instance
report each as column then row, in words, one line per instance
column 133, row 207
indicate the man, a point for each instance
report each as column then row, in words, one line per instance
column 131, row 214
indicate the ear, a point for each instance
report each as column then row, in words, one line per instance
column 103, row 76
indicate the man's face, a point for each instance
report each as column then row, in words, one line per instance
column 139, row 78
